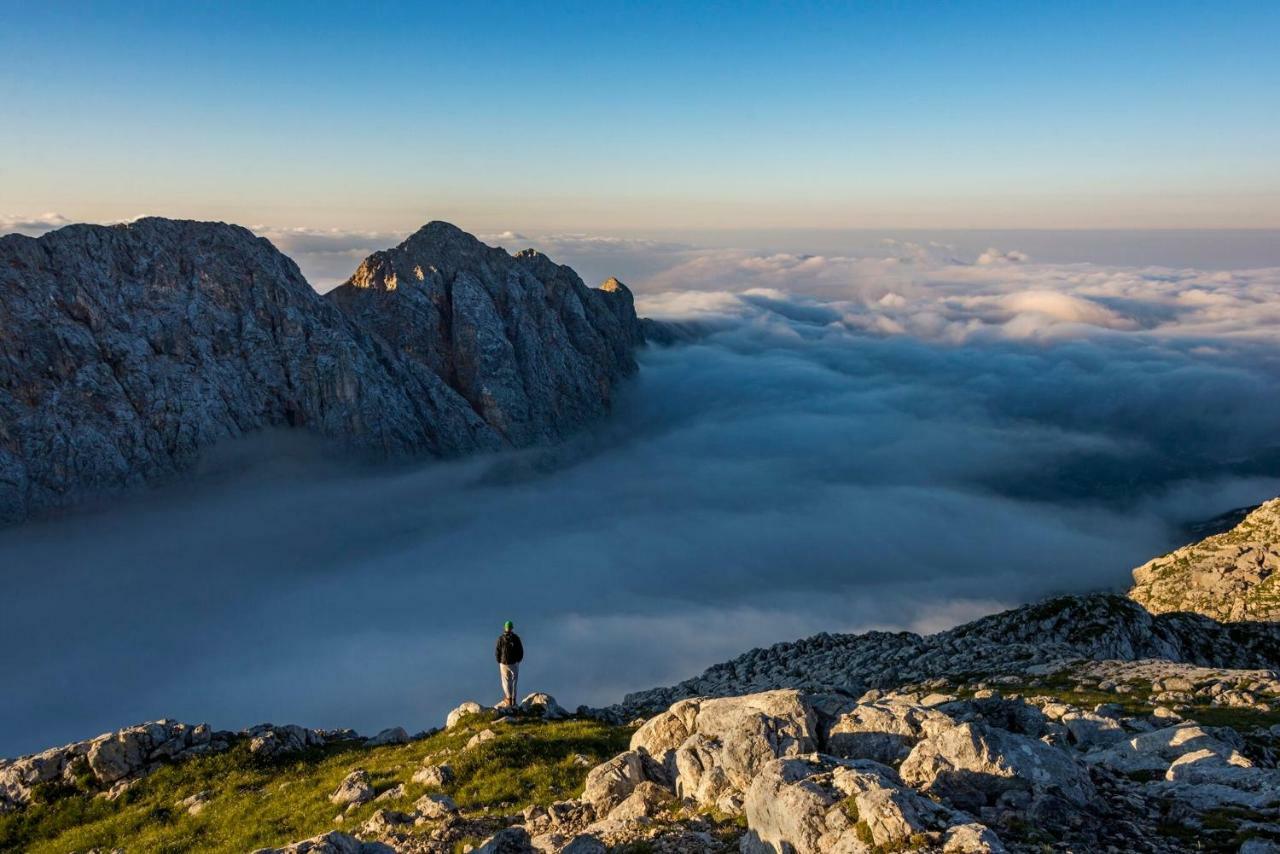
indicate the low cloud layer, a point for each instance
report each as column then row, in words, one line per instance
column 901, row 440
column 32, row 226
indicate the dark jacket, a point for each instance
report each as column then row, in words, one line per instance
column 509, row 649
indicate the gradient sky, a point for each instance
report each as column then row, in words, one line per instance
column 616, row 116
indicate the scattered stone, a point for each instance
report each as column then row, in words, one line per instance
column 434, row 775
column 354, row 789
column 512, row 840
column 645, row 801
column 396, row 791
column 455, row 717
column 268, row 740
column 481, row 737
column 584, row 843
column 195, row 804
column 434, row 807
column 385, row 822
column 544, row 705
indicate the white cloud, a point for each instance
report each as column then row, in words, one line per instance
column 905, row 440
column 996, row 256
column 32, row 226
column 943, row 300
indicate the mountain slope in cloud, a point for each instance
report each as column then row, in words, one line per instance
column 129, row 349
column 530, row 347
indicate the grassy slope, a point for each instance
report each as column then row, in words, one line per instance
column 256, row 803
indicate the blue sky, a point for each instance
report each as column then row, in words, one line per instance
column 617, row 116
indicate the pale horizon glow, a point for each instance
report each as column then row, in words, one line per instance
column 608, row 117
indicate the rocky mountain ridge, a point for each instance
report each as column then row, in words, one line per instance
column 1033, row 640
column 128, row 350
column 1234, row 575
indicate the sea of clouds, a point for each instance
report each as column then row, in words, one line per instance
column 907, row 437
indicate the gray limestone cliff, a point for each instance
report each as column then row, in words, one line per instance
column 127, row 350
column 533, row 350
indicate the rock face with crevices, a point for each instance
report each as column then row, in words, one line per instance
column 128, row 350
column 533, row 350
column 1231, row 576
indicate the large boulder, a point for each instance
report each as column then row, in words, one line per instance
column 884, row 730
column 711, row 749
column 1208, row 780
column 610, row 783
column 645, row 801
column 1156, row 751
column 821, row 804
column 973, row 765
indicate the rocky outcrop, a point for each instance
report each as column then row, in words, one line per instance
column 979, row 773
column 111, row 762
column 130, row 349
column 1231, row 576
column 1032, row 640
column 710, row 750
column 533, row 350
column 974, row 765
column 814, row 805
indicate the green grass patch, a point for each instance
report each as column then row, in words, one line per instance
column 259, row 803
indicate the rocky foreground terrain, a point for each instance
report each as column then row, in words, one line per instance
column 128, row 350
column 1076, row 724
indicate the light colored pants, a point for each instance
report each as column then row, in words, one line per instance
column 510, row 673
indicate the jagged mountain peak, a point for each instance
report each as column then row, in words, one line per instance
column 522, row 339
column 131, row 348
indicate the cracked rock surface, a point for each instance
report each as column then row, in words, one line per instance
column 127, row 350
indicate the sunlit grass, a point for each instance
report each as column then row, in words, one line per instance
column 257, row 804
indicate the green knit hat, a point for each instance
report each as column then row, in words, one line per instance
column 508, row 626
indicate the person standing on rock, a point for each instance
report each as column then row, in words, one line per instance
column 509, row 652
